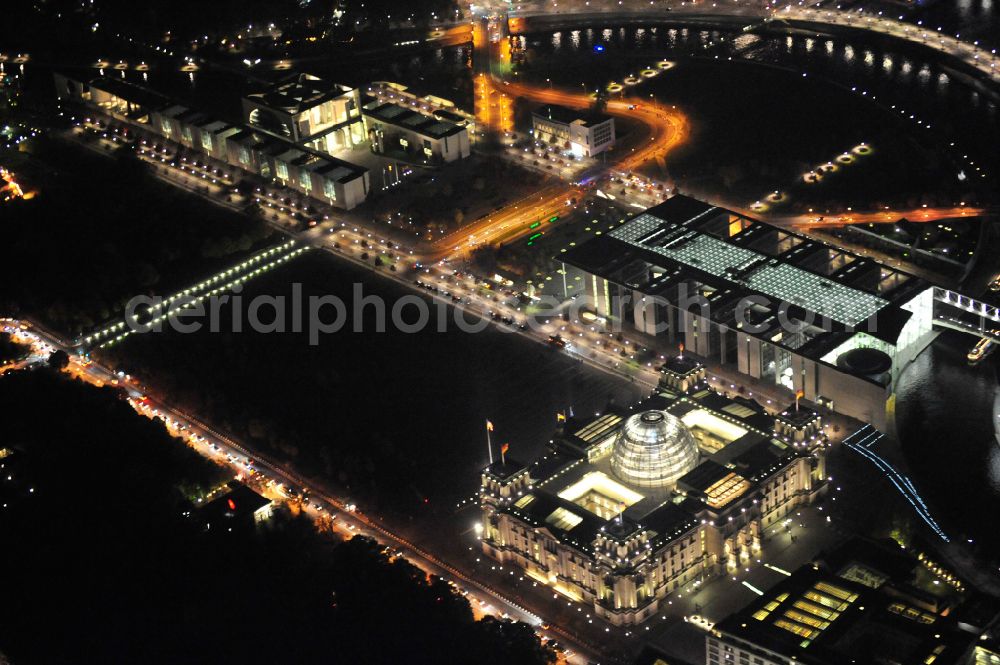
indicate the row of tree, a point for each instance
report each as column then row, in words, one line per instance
column 112, row 567
column 104, row 230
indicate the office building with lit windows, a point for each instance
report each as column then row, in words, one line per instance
column 632, row 505
column 583, row 134
column 422, row 136
column 238, row 506
column 308, row 111
column 314, row 174
column 986, row 654
column 252, row 149
column 850, row 607
column 768, row 302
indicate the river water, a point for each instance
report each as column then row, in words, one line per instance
column 794, row 97
column 947, row 415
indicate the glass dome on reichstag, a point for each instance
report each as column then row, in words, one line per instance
column 653, row 449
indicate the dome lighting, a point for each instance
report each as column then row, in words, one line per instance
column 654, row 449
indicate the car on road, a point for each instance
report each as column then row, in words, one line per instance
column 700, row 621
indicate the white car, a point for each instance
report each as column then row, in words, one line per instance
column 700, row 621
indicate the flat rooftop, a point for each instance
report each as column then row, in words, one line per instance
column 299, row 93
column 240, row 502
column 726, row 257
column 567, row 116
column 822, row 616
column 757, row 271
column 137, row 94
column 330, row 167
column 400, row 116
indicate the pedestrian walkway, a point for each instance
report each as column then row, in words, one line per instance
column 865, row 442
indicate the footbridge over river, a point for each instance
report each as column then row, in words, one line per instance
column 960, row 312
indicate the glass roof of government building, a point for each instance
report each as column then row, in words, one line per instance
column 757, row 272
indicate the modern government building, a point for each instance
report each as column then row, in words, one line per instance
column 300, row 131
column 584, row 134
column 865, row 602
column 772, row 304
column 631, row 505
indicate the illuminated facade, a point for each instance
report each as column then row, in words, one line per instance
column 294, row 165
column 986, row 655
column 583, row 134
column 653, row 449
column 423, row 136
column 629, row 507
column 239, row 507
column 309, row 111
column 864, row 602
column 767, row 302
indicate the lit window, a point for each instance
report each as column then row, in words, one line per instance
column 563, row 519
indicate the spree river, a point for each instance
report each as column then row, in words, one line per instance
column 763, row 106
column 947, row 416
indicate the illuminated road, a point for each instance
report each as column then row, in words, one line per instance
column 666, row 129
column 667, row 126
column 9, row 189
column 971, row 54
column 512, row 222
column 451, row 36
column 495, row 97
column 878, row 217
column 862, row 442
column 275, row 480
